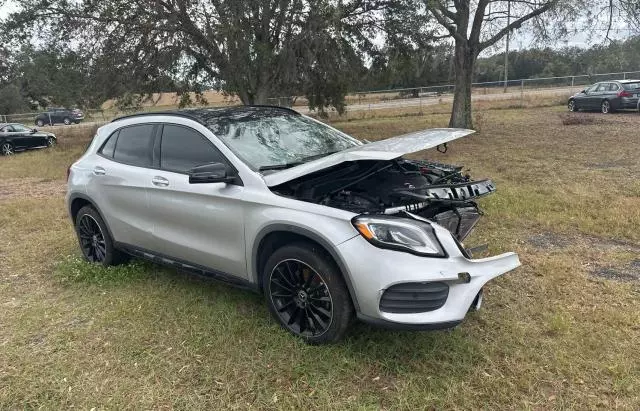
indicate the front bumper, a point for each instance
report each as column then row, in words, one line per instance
column 373, row 270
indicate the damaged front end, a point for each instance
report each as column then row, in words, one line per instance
column 438, row 192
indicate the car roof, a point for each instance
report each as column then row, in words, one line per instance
column 210, row 116
column 618, row 81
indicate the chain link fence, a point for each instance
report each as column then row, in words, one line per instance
column 512, row 88
column 408, row 97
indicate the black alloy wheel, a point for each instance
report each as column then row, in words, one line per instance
column 95, row 240
column 92, row 240
column 306, row 293
column 301, row 298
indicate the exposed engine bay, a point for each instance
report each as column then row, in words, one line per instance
column 439, row 192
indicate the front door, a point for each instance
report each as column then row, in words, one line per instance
column 202, row 224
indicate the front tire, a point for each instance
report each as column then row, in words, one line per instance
column 7, row 149
column 94, row 239
column 605, row 107
column 51, row 142
column 572, row 106
column 306, row 294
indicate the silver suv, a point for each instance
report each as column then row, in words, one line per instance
column 326, row 227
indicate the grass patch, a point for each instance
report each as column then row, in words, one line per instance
column 74, row 269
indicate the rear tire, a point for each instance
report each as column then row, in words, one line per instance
column 306, row 294
column 39, row 123
column 95, row 241
column 7, row 149
column 66, row 121
column 605, row 107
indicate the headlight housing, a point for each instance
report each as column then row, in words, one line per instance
column 401, row 234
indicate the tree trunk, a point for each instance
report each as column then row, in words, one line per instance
column 260, row 96
column 464, row 60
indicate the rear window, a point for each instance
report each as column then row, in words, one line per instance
column 135, row 145
column 109, row 147
column 631, row 86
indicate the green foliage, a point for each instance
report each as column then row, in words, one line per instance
column 11, row 101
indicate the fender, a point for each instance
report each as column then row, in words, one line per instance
column 331, row 249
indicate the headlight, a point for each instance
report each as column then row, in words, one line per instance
column 400, row 234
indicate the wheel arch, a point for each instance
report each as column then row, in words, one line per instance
column 275, row 236
column 77, row 201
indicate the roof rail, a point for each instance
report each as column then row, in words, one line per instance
column 158, row 113
column 187, row 112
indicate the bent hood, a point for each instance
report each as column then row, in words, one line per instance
column 387, row 149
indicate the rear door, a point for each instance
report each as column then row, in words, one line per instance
column 594, row 95
column 120, row 178
column 202, row 224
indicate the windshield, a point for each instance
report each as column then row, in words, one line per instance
column 20, row 128
column 271, row 142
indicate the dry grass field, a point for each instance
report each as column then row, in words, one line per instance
column 561, row 332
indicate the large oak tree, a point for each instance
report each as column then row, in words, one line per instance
column 255, row 49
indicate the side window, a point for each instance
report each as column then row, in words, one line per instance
column 613, row 87
column 135, row 145
column 9, row 129
column 109, row 147
column 183, row 148
column 602, row 87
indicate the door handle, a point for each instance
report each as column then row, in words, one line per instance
column 99, row 171
column 160, row 181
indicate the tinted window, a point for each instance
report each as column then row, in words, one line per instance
column 182, row 149
column 135, row 145
column 613, row 87
column 631, row 86
column 109, row 146
column 602, row 87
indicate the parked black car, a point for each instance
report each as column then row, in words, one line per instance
column 15, row 137
column 59, row 115
column 607, row 96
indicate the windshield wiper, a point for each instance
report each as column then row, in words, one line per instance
column 316, row 156
column 279, row 166
column 295, row 163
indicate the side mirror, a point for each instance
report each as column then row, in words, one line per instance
column 210, row 173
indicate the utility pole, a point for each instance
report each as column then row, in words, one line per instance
column 506, row 52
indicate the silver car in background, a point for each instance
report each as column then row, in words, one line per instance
column 326, row 227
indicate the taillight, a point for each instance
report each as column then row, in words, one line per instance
column 68, row 172
column 624, row 93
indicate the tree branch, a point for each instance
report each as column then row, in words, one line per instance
column 516, row 24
